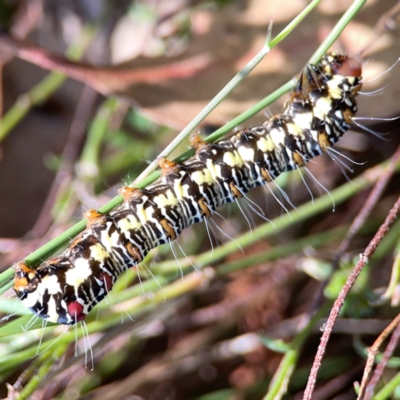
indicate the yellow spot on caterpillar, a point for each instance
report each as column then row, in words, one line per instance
column 166, row 199
column 201, row 177
column 323, row 141
column 129, row 223
column 212, row 168
column 265, row 144
column 233, row 159
column 295, row 130
column 298, row 159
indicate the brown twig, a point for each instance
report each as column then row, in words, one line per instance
column 364, row 258
column 69, row 155
column 337, row 384
column 104, row 80
column 367, row 389
column 387, row 22
column 369, row 204
column 358, row 222
column 25, row 20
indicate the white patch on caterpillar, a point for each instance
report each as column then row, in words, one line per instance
column 107, row 240
column 75, row 276
column 32, row 298
column 246, row 153
column 51, row 283
column 52, row 310
column 303, row 120
column 278, row 136
column 322, row 107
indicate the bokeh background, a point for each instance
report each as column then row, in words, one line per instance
column 213, row 342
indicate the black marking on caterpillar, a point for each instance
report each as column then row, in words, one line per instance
column 65, row 288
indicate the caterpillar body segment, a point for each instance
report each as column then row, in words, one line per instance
column 65, row 288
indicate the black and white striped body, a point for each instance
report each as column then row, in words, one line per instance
column 65, row 288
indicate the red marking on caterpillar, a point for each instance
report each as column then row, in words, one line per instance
column 350, row 67
column 75, row 310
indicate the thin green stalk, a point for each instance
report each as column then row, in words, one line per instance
column 278, row 252
column 6, row 280
column 280, row 381
column 44, row 368
column 41, row 91
column 252, row 111
column 395, row 276
column 388, row 389
column 289, row 28
column 25, row 102
column 89, row 162
column 337, row 30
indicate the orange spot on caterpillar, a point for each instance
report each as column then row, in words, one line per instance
column 196, row 141
column 23, row 277
column 128, row 192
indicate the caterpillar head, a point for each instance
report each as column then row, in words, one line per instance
column 334, row 70
column 337, row 64
column 42, row 292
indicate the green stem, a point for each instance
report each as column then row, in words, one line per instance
column 89, row 163
column 289, row 28
column 278, row 252
column 41, row 91
column 41, row 372
column 388, row 389
column 337, row 30
column 280, row 381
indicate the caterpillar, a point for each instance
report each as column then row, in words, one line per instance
column 65, row 288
